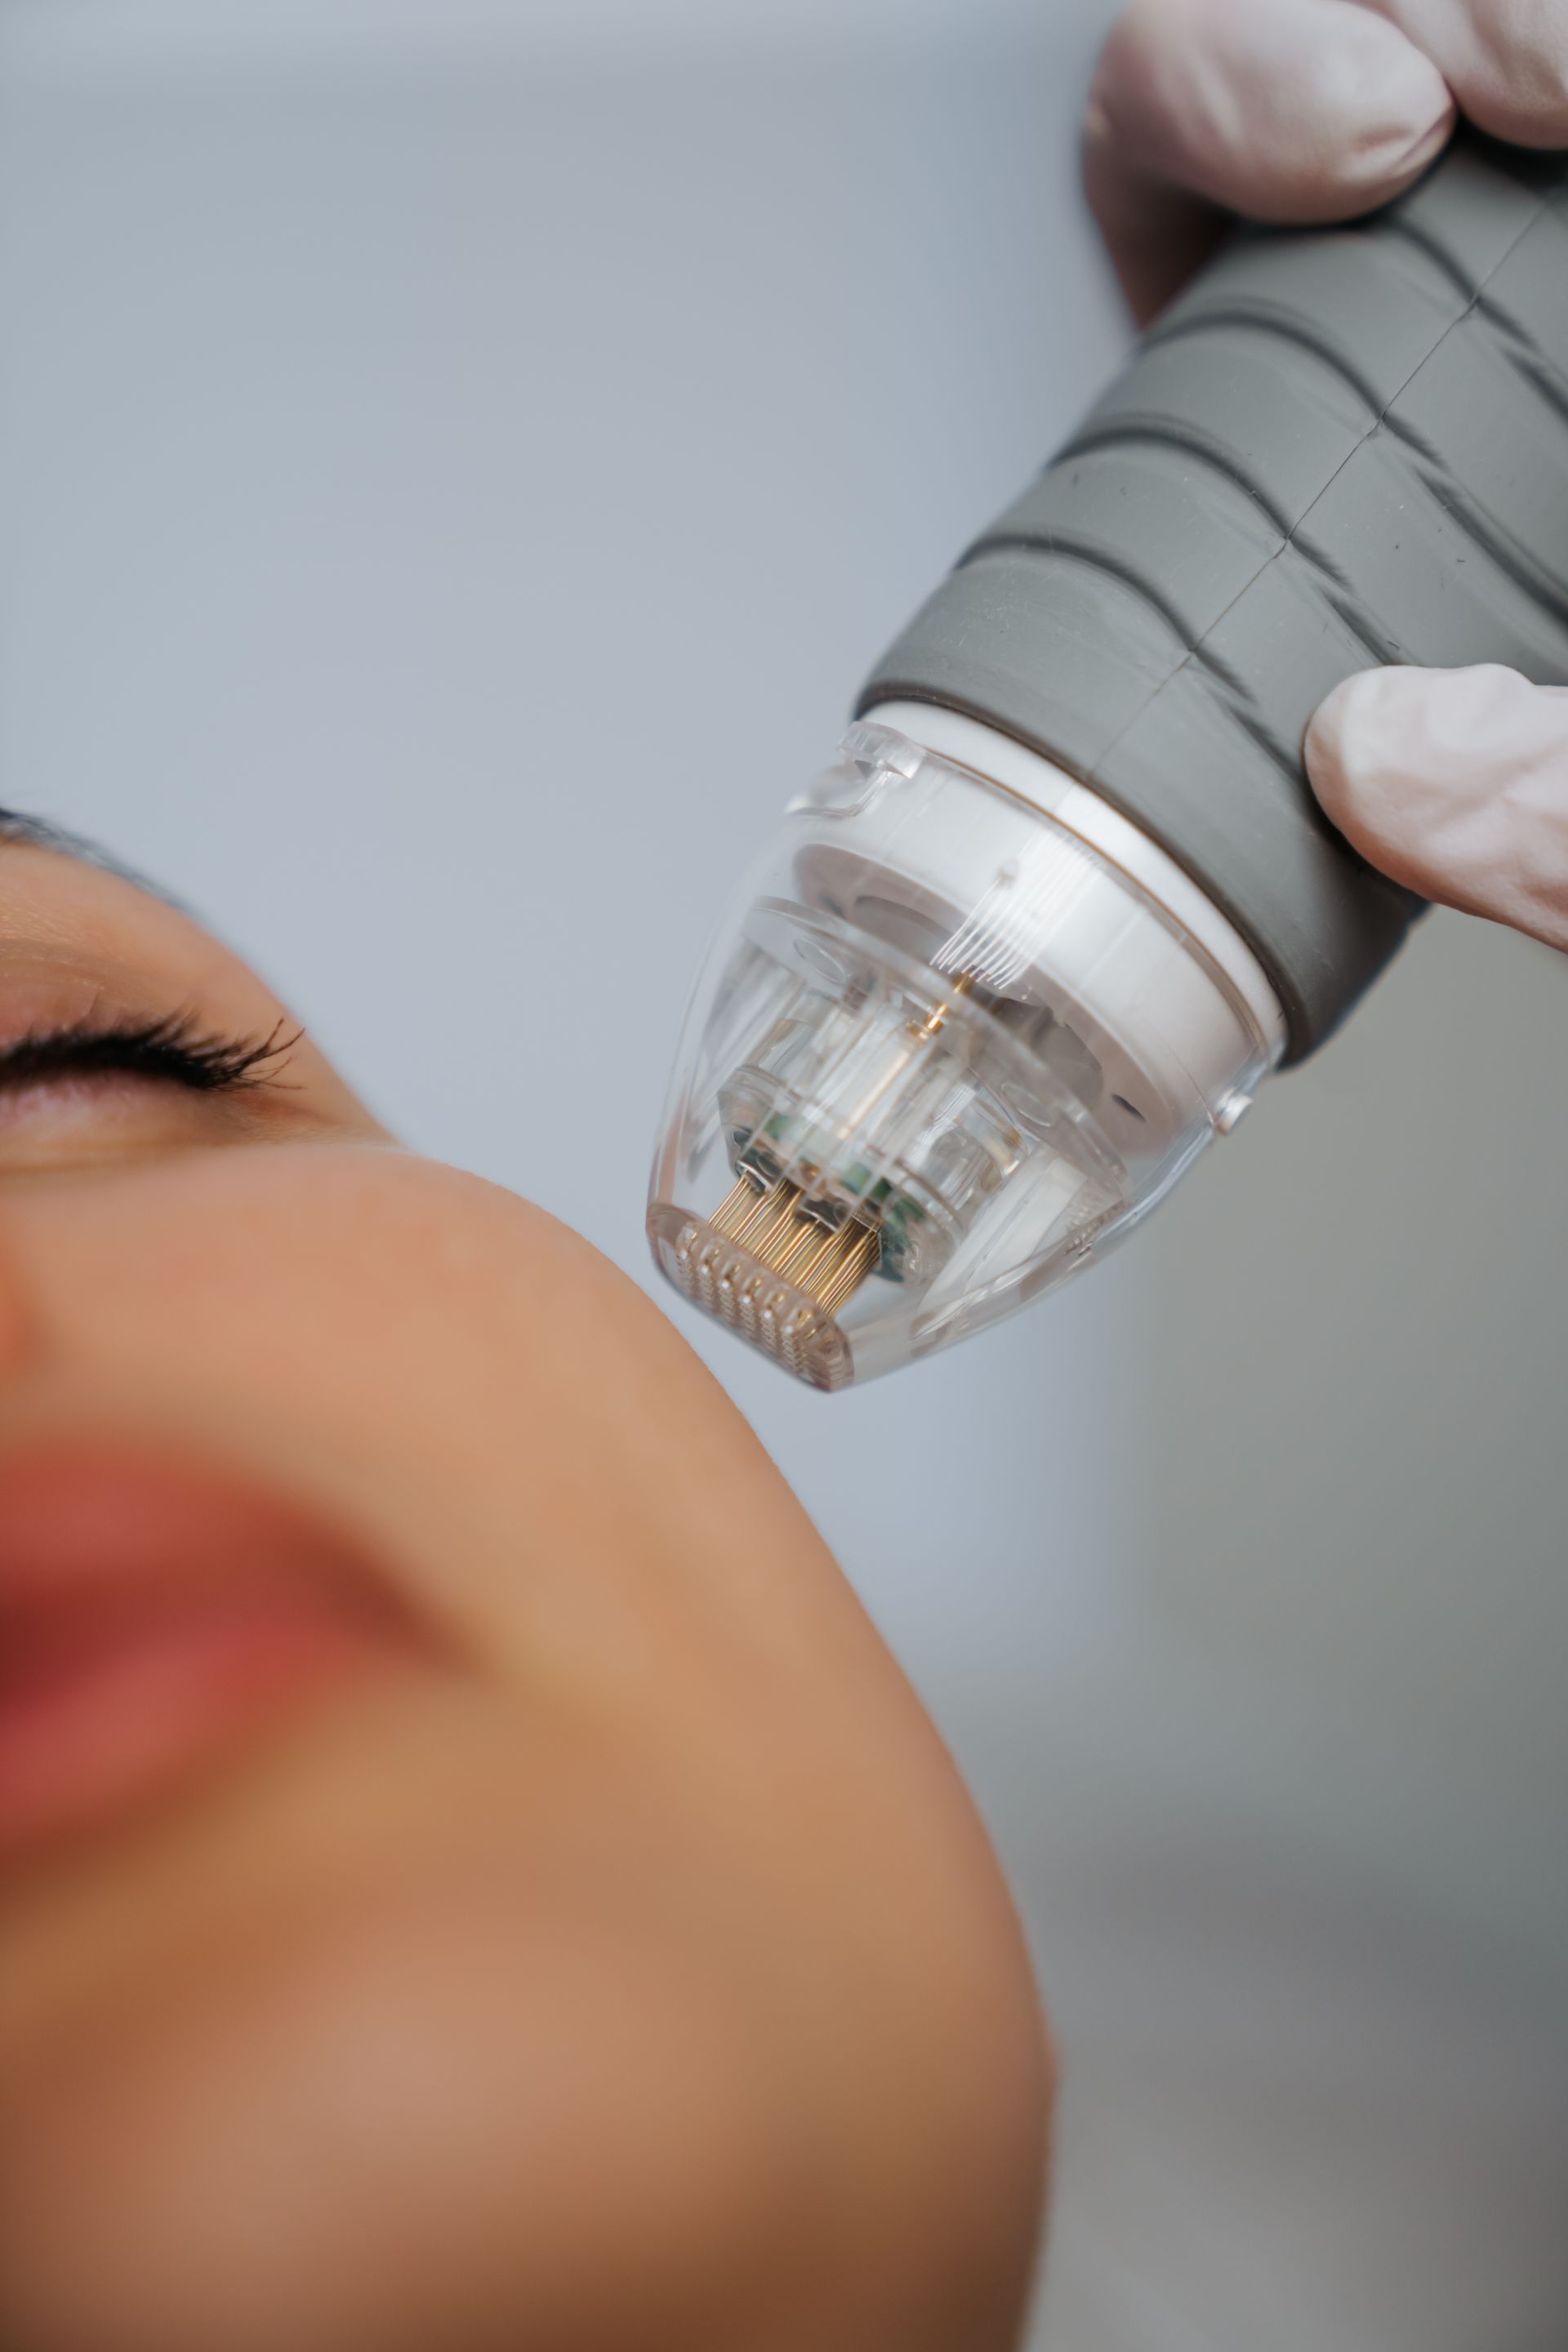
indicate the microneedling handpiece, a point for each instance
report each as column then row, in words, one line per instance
column 1065, row 900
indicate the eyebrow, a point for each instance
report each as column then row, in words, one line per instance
column 36, row 832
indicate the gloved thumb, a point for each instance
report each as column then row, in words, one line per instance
column 1456, row 783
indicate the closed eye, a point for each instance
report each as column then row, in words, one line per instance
column 175, row 1049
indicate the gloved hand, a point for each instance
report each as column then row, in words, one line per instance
column 1456, row 782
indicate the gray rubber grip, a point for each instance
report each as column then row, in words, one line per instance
column 1339, row 448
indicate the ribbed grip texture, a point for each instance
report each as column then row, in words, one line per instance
column 1339, row 448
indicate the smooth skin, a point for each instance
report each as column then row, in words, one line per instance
column 1455, row 782
column 618, row 1963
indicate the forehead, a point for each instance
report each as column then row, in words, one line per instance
column 24, row 832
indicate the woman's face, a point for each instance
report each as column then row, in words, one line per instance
column 469, row 1875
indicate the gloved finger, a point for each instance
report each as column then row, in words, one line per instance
column 1282, row 110
column 1505, row 60
column 1456, row 783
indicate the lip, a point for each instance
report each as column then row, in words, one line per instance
column 154, row 1617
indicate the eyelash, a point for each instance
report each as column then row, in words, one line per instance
column 175, row 1049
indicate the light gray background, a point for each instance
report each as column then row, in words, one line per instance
column 421, row 425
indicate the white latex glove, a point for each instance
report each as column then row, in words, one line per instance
column 1314, row 110
column 1455, row 782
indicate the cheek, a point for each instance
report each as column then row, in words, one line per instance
column 405, row 2125
column 302, row 1276
column 401, row 1340
column 345, row 1322
column 515, row 1430
column 469, row 2028
column 681, row 1987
